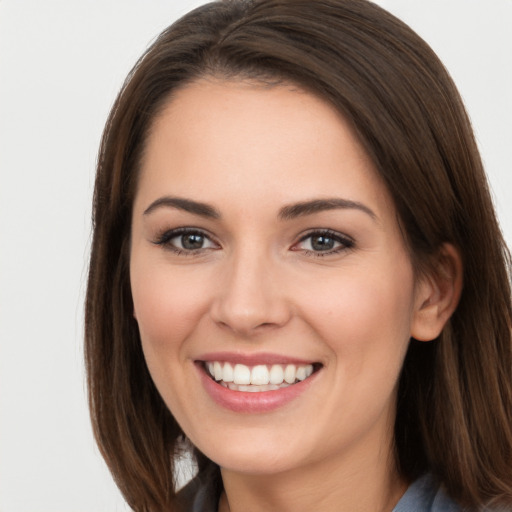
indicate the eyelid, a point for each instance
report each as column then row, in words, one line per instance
column 164, row 238
column 345, row 242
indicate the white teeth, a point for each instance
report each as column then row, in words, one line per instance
column 276, row 374
column 301, row 373
column 252, row 388
column 248, row 389
column 217, row 370
column 289, row 374
column 258, row 378
column 241, row 374
column 259, row 375
column 228, row 374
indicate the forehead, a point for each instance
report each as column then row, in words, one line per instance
column 224, row 140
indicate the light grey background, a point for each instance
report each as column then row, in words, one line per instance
column 61, row 65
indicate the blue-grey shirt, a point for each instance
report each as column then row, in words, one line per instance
column 424, row 495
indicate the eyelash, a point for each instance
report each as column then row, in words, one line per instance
column 346, row 243
column 165, row 238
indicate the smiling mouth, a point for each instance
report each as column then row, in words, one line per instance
column 258, row 378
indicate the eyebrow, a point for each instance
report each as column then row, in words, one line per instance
column 187, row 205
column 288, row 212
column 320, row 205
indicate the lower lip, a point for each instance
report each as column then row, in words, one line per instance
column 247, row 402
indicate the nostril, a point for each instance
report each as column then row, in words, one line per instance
column 244, row 326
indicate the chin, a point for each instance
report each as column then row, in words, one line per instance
column 256, row 464
column 253, row 457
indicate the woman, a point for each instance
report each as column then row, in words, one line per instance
column 297, row 271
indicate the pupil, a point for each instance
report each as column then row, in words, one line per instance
column 193, row 241
column 322, row 243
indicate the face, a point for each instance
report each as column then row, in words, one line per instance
column 272, row 288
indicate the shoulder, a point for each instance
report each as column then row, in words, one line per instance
column 197, row 496
column 426, row 495
column 423, row 495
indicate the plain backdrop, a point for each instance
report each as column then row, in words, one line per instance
column 61, row 65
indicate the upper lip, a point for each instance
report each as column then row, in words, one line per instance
column 252, row 359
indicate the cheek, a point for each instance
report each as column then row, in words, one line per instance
column 167, row 305
column 364, row 319
column 365, row 314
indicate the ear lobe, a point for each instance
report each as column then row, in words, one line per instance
column 437, row 295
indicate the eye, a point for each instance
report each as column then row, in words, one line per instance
column 324, row 242
column 186, row 240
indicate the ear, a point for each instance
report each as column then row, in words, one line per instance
column 437, row 295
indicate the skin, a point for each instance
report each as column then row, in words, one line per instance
column 257, row 286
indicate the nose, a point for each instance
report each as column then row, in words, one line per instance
column 251, row 297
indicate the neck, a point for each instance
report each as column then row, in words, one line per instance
column 362, row 484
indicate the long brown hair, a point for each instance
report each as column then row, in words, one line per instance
column 454, row 414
